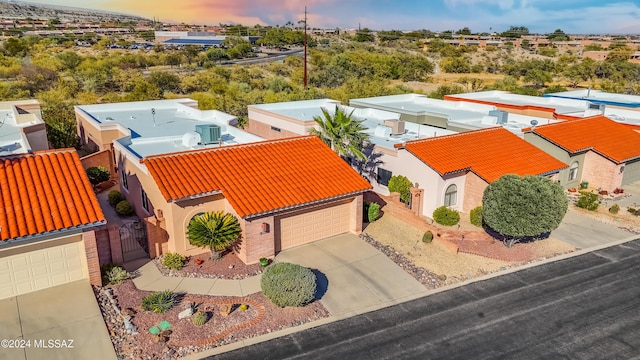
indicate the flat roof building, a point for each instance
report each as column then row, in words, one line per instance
column 600, row 97
column 455, row 116
column 21, row 127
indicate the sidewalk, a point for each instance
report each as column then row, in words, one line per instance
column 146, row 276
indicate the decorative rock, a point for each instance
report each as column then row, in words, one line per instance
column 225, row 309
column 127, row 312
column 185, row 313
column 230, row 266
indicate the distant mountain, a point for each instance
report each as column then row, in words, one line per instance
column 21, row 10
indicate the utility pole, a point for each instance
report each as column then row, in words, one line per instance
column 305, row 47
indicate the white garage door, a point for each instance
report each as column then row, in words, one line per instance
column 41, row 269
column 314, row 225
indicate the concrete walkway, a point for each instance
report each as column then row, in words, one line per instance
column 353, row 276
column 585, row 232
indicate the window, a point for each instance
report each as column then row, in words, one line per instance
column 123, row 176
column 451, row 195
column 145, row 200
column 383, row 176
column 573, row 171
column 275, row 128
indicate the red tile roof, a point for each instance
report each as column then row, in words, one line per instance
column 613, row 140
column 44, row 192
column 489, row 153
column 260, row 177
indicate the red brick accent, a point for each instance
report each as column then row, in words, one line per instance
column 473, row 191
column 116, row 245
column 157, row 236
column 601, row 172
column 93, row 261
column 417, row 197
column 100, row 158
column 262, row 243
column 103, row 245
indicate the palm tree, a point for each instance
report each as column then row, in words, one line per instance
column 216, row 230
column 341, row 133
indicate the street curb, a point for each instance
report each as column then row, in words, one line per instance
column 427, row 292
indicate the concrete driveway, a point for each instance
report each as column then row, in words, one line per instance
column 63, row 322
column 585, row 232
column 353, row 276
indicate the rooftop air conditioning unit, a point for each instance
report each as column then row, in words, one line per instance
column 397, row 126
column 502, row 116
column 209, row 133
column 596, row 107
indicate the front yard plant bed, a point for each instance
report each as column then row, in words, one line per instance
column 185, row 338
column 229, row 266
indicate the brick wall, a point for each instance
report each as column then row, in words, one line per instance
column 93, row 261
column 473, row 191
column 600, row 172
column 103, row 245
column 100, row 158
column 157, row 236
column 262, row 240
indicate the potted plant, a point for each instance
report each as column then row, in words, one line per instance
column 584, row 185
column 264, row 261
column 199, row 262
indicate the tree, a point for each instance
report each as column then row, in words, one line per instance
column 216, row 230
column 523, row 207
column 401, row 184
column 341, row 133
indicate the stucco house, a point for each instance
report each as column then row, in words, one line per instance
column 600, row 151
column 48, row 217
column 455, row 169
column 21, row 127
column 175, row 161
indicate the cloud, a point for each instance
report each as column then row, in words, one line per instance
column 502, row 4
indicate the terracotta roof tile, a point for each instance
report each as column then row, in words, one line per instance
column 44, row 192
column 490, row 153
column 616, row 141
column 259, row 177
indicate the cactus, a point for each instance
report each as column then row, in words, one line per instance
column 199, row 318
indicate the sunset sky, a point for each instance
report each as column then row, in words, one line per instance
column 540, row 16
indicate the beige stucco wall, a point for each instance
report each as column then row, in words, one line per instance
column 473, row 191
column 266, row 131
column 90, row 132
column 36, row 136
column 562, row 155
column 260, row 123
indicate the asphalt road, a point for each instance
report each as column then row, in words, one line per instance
column 584, row 307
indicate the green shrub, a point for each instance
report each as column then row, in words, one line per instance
column 287, row 284
column 114, row 197
column 98, row 174
column 633, row 211
column 159, row 302
column 123, row 208
column 173, row 261
column 588, row 201
column 113, row 274
column 373, row 212
column 402, row 185
column 199, row 318
column 475, row 216
column 445, row 216
column 614, row 209
column 427, row 237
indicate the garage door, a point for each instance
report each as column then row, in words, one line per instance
column 42, row 268
column 314, row 225
column 631, row 172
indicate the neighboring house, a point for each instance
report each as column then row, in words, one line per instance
column 21, row 127
column 561, row 106
column 285, row 192
column 451, row 115
column 48, row 217
column 598, row 150
column 454, row 170
column 213, row 156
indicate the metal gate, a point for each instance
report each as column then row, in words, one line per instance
column 133, row 240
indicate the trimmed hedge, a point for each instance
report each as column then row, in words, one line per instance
column 588, row 201
column 114, row 197
column 475, row 216
column 287, row 284
column 445, row 216
column 98, row 174
column 427, row 237
column 402, row 185
column 373, row 212
column 124, row 208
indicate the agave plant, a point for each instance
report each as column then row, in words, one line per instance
column 215, row 230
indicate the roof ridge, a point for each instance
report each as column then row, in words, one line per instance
column 226, row 147
column 38, row 152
